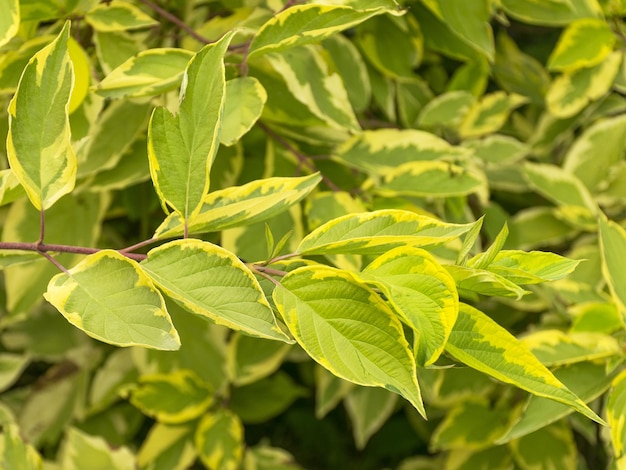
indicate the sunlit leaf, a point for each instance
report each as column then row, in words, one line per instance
column 352, row 333
column 148, row 73
column 423, row 294
column 167, row 447
column 212, row 282
column 181, row 147
column 304, row 24
column 616, row 416
column 111, row 299
column 238, row 206
column 15, row 453
column 379, row 231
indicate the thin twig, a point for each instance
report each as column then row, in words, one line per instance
column 303, row 159
column 282, row 257
column 51, row 247
column 177, row 21
column 270, row 271
column 269, row 278
column 136, row 246
column 53, row 261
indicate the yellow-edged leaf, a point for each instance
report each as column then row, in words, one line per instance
column 38, row 143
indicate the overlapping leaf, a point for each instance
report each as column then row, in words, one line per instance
column 423, row 294
column 212, row 282
column 379, row 231
column 181, row 148
column 38, row 143
column 584, row 43
column 531, row 267
column 243, row 205
column 82, row 450
column 481, row 343
column 346, row 327
column 168, row 446
column 111, row 299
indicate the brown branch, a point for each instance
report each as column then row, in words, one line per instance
column 177, row 21
column 45, row 248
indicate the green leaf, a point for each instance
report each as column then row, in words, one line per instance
column 596, row 151
column 84, row 451
column 219, row 440
column 430, row 179
column 251, row 359
column 308, row 77
column 616, row 416
column 10, row 21
column 265, row 399
column 549, row 447
column 493, row 458
column 570, row 92
column 353, row 333
column 422, row 293
column 15, row 453
column 480, row 281
column 489, row 114
column 479, row 342
column 38, row 144
column 243, row 105
column 588, row 380
column 172, row 398
column 304, row 24
column 351, row 68
column 111, row 299
column 532, row 267
column 393, row 46
column 150, row 72
column 329, row 391
column 498, row 149
column 559, row 186
column 118, row 15
column 556, row 348
column 446, row 110
column 468, row 20
column 472, row 424
column 11, row 367
column 167, row 447
column 181, row 148
column 123, row 119
column 379, row 151
column 243, row 205
column 212, row 282
column 472, row 77
column 517, row 72
column 613, row 248
column 368, row 409
column 263, row 457
column 584, row 43
column 483, row 260
column 379, row 231
column 551, row 12
column 10, row 187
